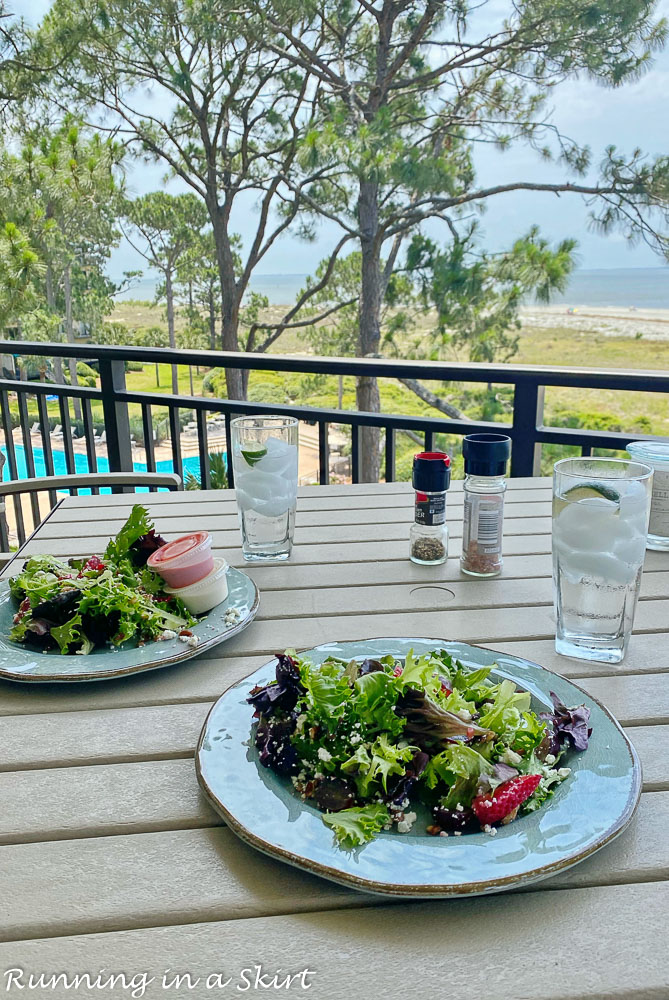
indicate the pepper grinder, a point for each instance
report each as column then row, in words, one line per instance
column 428, row 537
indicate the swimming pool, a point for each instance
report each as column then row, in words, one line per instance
column 190, row 464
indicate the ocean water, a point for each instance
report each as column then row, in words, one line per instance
column 190, row 464
column 639, row 287
column 633, row 287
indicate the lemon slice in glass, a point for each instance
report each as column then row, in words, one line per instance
column 252, row 453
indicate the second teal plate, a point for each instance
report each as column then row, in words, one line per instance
column 587, row 811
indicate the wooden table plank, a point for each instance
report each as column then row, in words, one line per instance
column 62, row 803
column 570, row 958
column 121, row 882
column 330, row 510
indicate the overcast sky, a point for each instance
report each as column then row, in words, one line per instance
column 633, row 115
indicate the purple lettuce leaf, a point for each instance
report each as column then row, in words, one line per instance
column 428, row 725
column 272, row 739
column 144, row 546
column 280, row 694
column 401, row 788
column 570, row 724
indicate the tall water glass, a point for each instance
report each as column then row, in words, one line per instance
column 264, row 460
column 600, row 522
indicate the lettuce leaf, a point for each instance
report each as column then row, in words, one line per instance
column 456, row 761
column 356, row 826
column 139, row 523
column 505, row 712
column 377, row 764
column 373, row 701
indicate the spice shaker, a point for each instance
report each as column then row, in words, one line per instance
column 429, row 535
column 656, row 455
column 486, row 456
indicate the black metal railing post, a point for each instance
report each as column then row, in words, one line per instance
column 528, row 414
column 117, row 421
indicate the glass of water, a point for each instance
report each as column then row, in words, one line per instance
column 264, row 460
column 600, row 522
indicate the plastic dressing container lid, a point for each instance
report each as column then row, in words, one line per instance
column 186, row 545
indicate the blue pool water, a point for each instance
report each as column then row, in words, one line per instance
column 190, row 464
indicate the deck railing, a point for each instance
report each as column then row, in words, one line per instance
column 526, row 428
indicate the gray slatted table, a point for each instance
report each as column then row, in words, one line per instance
column 111, row 859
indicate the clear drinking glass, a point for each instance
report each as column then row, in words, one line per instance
column 264, row 460
column 600, row 522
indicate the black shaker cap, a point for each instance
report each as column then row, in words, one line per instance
column 486, row 454
column 431, row 472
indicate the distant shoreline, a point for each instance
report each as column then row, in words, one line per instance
column 640, row 288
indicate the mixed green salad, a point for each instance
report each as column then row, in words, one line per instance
column 79, row 605
column 365, row 741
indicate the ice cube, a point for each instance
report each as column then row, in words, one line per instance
column 265, row 493
column 602, row 567
column 587, row 525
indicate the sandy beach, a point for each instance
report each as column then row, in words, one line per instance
column 610, row 321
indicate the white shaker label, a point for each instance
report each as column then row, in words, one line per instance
column 659, row 510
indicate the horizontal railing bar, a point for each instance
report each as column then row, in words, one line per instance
column 440, row 371
column 577, row 436
column 360, row 417
column 49, row 388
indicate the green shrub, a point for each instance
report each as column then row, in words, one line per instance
column 134, row 366
column 84, row 370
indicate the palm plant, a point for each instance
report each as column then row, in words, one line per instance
column 218, row 473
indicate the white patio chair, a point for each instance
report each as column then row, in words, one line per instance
column 117, row 481
column 57, row 432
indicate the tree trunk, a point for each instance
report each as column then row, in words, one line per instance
column 169, row 295
column 229, row 305
column 51, row 303
column 212, row 320
column 69, row 333
column 369, row 325
column 157, row 376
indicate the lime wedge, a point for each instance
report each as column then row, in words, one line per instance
column 253, row 453
column 590, row 490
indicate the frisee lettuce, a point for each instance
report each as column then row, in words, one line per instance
column 353, row 827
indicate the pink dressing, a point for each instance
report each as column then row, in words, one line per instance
column 184, row 561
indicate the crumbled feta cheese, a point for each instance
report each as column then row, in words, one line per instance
column 490, row 830
column 405, row 825
column 549, row 759
column 167, row 634
column 511, row 757
column 564, row 772
column 324, row 754
column 459, row 807
column 464, row 715
column 443, row 833
column 355, row 739
column 299, row 722
column 457, row 833
column 190, row 640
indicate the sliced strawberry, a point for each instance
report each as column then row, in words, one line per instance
column 508, row 796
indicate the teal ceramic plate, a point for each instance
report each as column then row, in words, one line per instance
column 20, row 664
column 588, row 810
